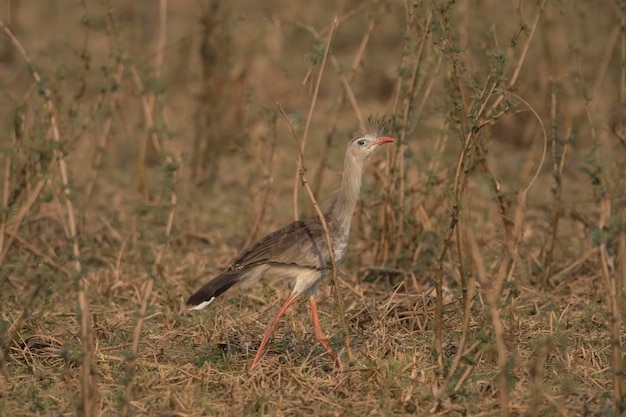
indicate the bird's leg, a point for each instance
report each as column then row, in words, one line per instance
column 319, row 334
column 270, row 329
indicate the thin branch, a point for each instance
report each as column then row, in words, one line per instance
column 5, row 197
column 400, row 166
column 331, row 252
column 346, row 82
column 522, row 58
column 558, row 164
column 88, row 386
column 103, row 138
column 310, row 116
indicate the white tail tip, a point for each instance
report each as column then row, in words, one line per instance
column 202, row 304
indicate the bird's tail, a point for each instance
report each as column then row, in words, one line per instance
column 212, row 289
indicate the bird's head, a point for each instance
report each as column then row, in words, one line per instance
column 364, row 145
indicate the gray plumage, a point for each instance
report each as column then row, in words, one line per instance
column 299, row 251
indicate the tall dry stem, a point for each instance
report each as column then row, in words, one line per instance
column 473, row 111
column 88, row 386
column 301, row 179
column 148, row 101
column 103, row 137
column 559, row 152
column 613, row 301
column 305, row 134
column 346, row 82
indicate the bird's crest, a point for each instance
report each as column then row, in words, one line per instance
column 376, row 125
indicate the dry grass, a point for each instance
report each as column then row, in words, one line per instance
column 143, row 146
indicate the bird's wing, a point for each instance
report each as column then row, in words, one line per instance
column 301, row 243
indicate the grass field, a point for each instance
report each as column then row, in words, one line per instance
column 143, row 145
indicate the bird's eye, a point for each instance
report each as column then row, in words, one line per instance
column 360, row 143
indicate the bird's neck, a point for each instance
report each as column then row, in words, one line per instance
column 343, row 202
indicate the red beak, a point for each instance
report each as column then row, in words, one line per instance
column 385, row 139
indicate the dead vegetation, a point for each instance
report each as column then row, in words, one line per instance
column 143, row 146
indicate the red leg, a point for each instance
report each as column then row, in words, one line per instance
column 319, row 334
column 270, row 329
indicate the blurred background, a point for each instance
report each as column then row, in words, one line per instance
column 143, row 146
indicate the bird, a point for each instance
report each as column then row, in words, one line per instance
column 298, row 252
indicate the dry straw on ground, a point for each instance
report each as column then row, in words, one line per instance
column 142, row 147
